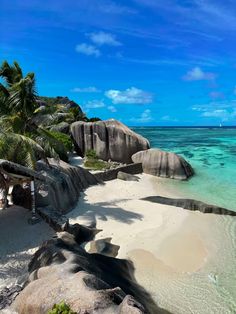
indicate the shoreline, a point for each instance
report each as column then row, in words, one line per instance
column 132, row 211
column 166, row 244
column 171, row 248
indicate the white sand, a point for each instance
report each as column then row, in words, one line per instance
column 18, row 241
column 173, row 250
column 135, row 224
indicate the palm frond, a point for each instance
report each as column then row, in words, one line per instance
column 10, row 74
column 52, row 145
column 20, row 149
column 23, row 96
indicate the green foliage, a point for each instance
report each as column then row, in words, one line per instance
column 77, row 114
column 92, row 162
column 61, row 308
column 53, row 146
column 20, row 149
column 91, row 154
column 50, row 101
column 22, row 97
column 64, row 138
column 25, row 129
column 23, row 138
column 47, row 109
column 96, row 164
column 11, row 74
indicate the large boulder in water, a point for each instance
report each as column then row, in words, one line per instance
column 164, row 164
column 110, row 139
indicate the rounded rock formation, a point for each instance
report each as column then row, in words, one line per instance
column 111, row 140
column 61, row 270
column 163, row 164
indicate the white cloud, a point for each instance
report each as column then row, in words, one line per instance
column 131, row 95
column 197, row 74
column 102, row 38
column 223, row 114
column 93, row 104
column 112, row 108
column 88, row 50
column 225, row 111
column 168, row 118
column 218, row 113
column 90, row 89
column 145, row 117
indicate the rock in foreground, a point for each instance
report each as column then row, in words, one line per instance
column 163, row 164
column 89, row 283
column 110, row 139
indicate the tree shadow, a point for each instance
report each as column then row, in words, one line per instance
column 103, row 211
column 17, row 236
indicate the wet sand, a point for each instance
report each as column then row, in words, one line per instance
column 173, row 250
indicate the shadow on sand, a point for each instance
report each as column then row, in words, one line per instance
column 103, row 211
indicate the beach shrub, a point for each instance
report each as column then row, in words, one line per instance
column 61, row 308
column 91, row 154
column 92, row 161
column 96, row 164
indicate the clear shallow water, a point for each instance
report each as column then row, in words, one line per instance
column 212, row 154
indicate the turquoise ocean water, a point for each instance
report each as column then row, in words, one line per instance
column 212, row 154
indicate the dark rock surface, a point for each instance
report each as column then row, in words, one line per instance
column 111, row 140
column 8, row 295
column 90, row 283
column 55, row 219
column 126, row 176
column 63, row 185
column 111, row 174
column 163, row 164
column 62, row 127
column 59, row 100
column 63, row 100
column 21, row 196
column 190, row 205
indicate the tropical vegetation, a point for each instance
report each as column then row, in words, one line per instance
column 61, row 308
column 93, row 162
column 29, row 130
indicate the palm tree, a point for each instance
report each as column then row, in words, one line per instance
column 21, row 139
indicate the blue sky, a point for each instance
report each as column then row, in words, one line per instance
column 144, row 62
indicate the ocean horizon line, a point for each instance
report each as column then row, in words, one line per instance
column 185, row 126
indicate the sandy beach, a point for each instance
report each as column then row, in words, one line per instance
column 184, row 259
column 18, row 242
column 173, row 250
